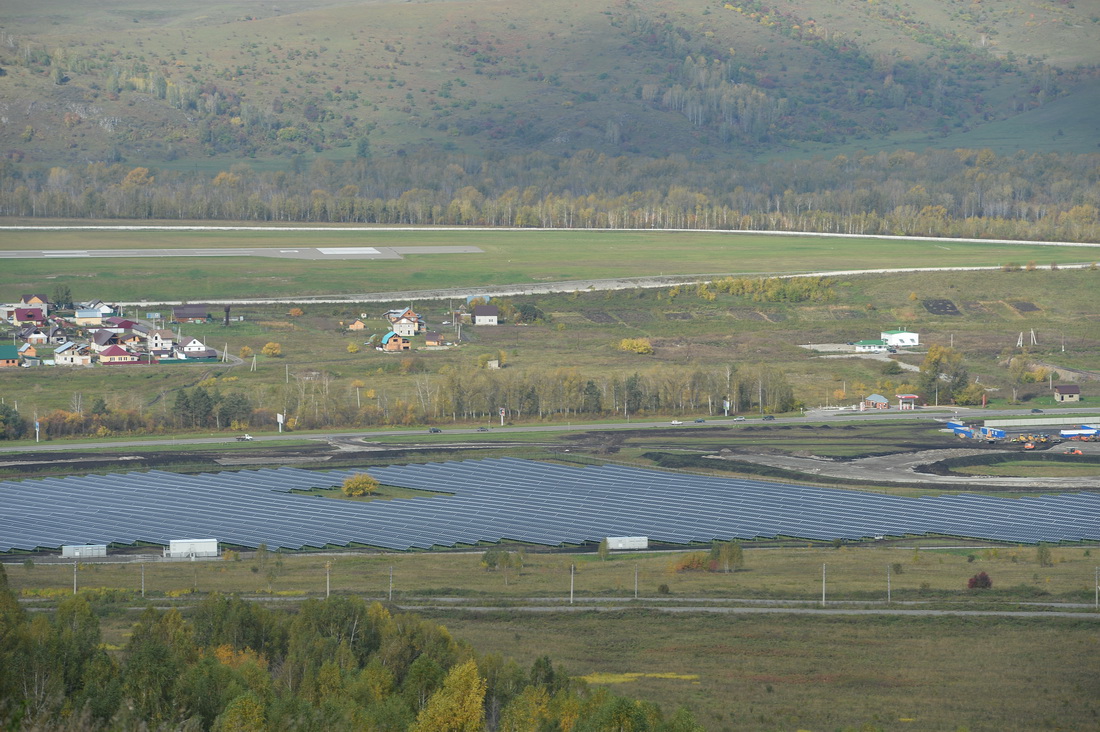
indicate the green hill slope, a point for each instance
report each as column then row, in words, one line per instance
column 132, row 80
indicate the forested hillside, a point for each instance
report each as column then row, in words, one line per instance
column 693, row 113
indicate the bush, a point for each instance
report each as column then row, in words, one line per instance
column 360, row 484
column 980, row 581
column 663, row 590
column 636, row 345
column 695, row 561
column 272, row 349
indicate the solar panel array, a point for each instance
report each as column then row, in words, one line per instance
column 503, row 499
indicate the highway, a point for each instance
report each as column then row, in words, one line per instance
column 812, row 417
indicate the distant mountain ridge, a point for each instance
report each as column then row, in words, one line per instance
column 216, row 82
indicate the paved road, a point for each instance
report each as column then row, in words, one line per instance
column 815, row 416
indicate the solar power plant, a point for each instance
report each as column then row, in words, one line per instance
column 503, row 499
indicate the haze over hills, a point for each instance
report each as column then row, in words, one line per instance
column 133, row 80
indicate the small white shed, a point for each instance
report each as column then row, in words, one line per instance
column 627, row 542
column 192, row 548
column 82, row 551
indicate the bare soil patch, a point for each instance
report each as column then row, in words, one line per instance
column 598, row 316
column 1022, row 306
column 940, row 307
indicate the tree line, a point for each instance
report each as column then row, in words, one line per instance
column 335, row 664
column 317, row 400
column 959, row 193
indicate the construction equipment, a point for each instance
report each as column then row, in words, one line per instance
column 1074, row 451
column 1029, row 445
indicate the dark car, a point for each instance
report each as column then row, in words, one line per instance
column 1036, row 411
column 768, row 418
column 482, row 429
column 699, row 420
column 434, row 430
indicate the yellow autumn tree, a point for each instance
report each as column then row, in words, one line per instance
column 457, row 706
column 360, row 484
column 272, row 349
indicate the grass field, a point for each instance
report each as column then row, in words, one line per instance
column 854, row 574
column 767, row 672
column 509, row 257
column 690, row 335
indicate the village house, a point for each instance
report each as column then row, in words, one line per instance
column 190, row 313
column 160, row 341
column 27, row 350
column 103, row 339
column 9, row 356
column 486, row 315
column 39, row 302
column 33, row 334
column 1067, row 393
column 431, row 338
column 395, row 342
column 194, row 348
column 28, row 316
column 116, row 355
column 405, row 322
column 72, row 354
column 88, row 316
column 98, row 305
column 357, row 325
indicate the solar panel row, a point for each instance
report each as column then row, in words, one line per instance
column 503, row 499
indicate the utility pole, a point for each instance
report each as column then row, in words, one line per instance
column 635, row 581
column 75, row 562
column 391, row 583
column 887, row 584
column 328, row 583
column 143, row 579
column 572, row 571
column 822, row 585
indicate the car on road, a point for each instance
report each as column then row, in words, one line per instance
column 738, row 419
column 482, row 429
column 244, row 438
column 676, row 423
column 768, row 418
column 1036, row 411
column 699, row 420
column 434, row 430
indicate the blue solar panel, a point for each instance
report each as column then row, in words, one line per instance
column 505, row 498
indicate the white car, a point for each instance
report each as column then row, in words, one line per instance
column 738, row 419
column 675, row 422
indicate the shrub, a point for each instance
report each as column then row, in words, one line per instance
column 695, row 561
column 636, row 345
column 272, row 349
column 980, row 581
column 360, row 484
column 663, row 590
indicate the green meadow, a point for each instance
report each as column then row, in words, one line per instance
column 509, row 257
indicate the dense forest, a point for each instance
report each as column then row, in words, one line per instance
column 959, row 193
column 334, row 664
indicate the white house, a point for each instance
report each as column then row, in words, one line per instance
column 486, row 315
column 161, row 340
column 900, row 338
column 405, row 322
column 194, row 348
